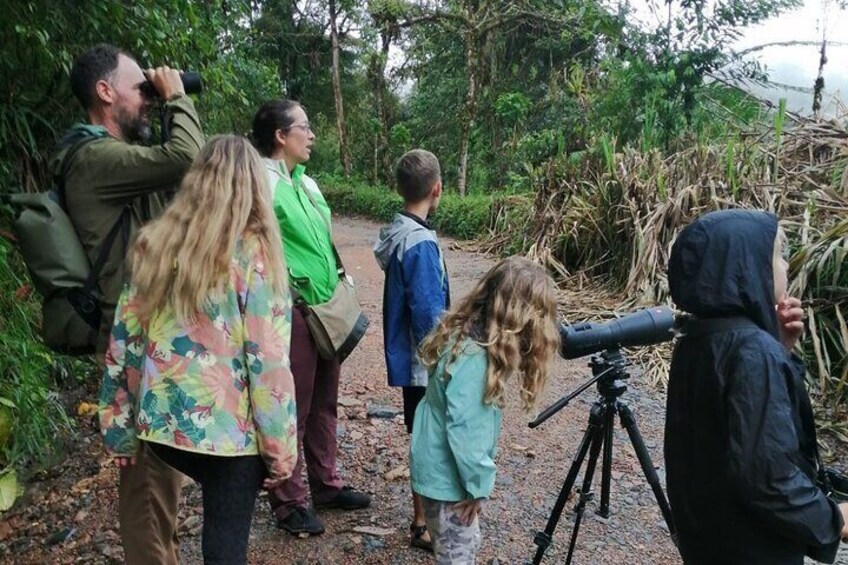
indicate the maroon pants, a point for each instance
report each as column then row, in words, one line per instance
column 316, row 385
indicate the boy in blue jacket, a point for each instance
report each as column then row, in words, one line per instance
column 416, row 291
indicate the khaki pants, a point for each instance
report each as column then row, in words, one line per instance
column 149, row 498
column 148, row 494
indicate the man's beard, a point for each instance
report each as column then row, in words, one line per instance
column 134, row 129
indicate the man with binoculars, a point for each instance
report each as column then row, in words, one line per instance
column 113, row 184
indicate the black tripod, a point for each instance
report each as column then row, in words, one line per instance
column 609, row 370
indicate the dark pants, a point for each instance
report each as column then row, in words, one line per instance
column 412, row 397
column 230, row 486
column 316, row 385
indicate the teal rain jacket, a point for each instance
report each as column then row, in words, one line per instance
column 455, row 435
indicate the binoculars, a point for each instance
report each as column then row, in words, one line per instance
column 191, row 83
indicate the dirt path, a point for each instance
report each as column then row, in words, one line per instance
column 531, row 468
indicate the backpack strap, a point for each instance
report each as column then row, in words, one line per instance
column 66, row 166
column 122, row 226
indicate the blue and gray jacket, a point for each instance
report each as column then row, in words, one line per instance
column 415, row 294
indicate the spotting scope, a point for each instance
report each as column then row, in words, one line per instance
column 645, row 327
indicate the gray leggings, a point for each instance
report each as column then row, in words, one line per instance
column 230, row 486
column 453, row 542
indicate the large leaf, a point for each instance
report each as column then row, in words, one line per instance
column 8, row 489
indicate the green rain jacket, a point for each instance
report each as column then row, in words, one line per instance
column 306, row 231
column 108, row 174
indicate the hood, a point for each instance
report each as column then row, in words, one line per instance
column 393, row 235
column 280, row 169
column 73, row 135
column 721, row 266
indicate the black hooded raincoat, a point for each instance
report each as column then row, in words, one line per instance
column 739, row 437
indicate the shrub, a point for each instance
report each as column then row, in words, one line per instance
column 466, row 217
column 31, row 409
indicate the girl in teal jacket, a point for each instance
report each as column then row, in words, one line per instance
column 506, row 325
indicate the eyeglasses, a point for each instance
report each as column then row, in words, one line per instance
column 305, row 127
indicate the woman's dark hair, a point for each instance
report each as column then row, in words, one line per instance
column 270, row 117
column 97, row 63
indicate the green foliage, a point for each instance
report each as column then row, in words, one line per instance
column 549, row 84
column 512, row 107
column 351, row 197
column 463, row 218
column 41, row 39
column 28, row 395
column 325, row 151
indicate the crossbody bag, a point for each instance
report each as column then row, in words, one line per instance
column 339, row 324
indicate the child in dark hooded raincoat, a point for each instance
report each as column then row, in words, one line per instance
column 740, row 443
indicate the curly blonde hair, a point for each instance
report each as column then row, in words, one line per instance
column 512, row 314
column 183, row 258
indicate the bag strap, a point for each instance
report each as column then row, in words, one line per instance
column 66, row 165
column 122, row 226
column 699, row 327
column 329, row 230
column 297, row 299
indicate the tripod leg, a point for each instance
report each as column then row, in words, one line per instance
column 586, row 488
column 629, row 423
column 606, row 470
column 543, row 539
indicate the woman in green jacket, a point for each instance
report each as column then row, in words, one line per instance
column 282, row 133
column 506, row 325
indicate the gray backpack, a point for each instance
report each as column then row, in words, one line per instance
column 59, row 267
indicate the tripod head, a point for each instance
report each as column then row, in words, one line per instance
column 609, row 371
column 645, row 327
column 610, row 368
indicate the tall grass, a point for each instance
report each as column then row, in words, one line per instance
column 612, row 220
column 779, row 123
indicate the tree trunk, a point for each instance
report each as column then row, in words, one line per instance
column 344, row 153
column 469, row 109
column 381, row 143
column 385, row 157
column 377, row 71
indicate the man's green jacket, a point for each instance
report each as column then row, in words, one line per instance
column 107, row 175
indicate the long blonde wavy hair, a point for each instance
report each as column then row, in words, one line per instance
column 512, row 313
column 183, row 258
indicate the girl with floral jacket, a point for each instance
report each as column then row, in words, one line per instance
column 197, row 369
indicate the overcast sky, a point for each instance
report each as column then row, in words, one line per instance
column 798, row 65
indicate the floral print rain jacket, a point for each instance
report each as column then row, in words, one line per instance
column 221, row 386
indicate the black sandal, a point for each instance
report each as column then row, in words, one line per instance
column 417, row 539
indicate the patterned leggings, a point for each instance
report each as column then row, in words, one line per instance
column 453, row 542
